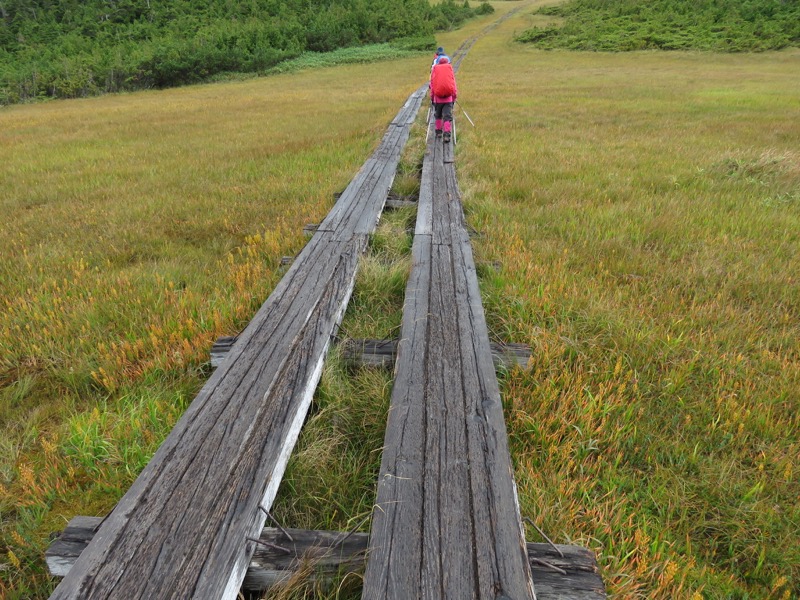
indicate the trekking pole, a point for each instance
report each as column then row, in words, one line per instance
column 455, row 140
column 428, row 126
column 465, row 113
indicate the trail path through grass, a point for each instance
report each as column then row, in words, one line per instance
column 645, row 210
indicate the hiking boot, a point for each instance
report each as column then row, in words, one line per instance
column 446, row 137
column 438, row 133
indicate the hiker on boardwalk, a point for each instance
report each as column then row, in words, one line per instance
column 443, row 94
column 439, row 54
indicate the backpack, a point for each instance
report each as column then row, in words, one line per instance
column 443, row 81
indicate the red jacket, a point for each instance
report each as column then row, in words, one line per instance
column 443, row 70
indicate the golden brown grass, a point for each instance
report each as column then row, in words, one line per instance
column 645, row 208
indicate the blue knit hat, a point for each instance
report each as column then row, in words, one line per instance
column 439, row 51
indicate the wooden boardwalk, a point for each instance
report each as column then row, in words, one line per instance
column 182, row 529
column 446, row 524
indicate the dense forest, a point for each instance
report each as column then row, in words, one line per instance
column 718, row 25
column 71, row 48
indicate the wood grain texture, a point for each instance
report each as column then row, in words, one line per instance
column 327, row 557
column 180, row 531
column 446, row 523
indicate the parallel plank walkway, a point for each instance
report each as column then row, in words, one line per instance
column 446, row 522
column 181, row 530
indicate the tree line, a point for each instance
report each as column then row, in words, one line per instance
column 73, row 48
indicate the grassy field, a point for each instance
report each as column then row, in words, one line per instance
column 645, row 210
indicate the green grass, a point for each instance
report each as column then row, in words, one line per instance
column 644, row 210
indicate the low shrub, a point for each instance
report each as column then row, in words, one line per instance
column 626, row 25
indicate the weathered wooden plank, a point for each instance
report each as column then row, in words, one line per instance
column 374, row 203
column 388, row 151
column 180, row 530
column 372, row 181
column 329, row 557
column 448, row 149
column 365, row 208
column 448, row 483
column 439, row 552
column 383, row 353
column 365, row 178
column 579, row 579
column 359, row 206
column 395, row 551
column 346, row 220
column 408, row 113
column 424, row 225
column 442, row 225
column 448, row 217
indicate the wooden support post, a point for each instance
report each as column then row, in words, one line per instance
column 395, row 201
column 397, row 204
column 383, row 353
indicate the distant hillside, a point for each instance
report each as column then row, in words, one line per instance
column 76, row 48
column 623, row 25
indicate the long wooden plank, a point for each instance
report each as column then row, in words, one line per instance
column 180, row 530
column 408, row 113
column 370, row 176
column 350, row 196
column 424, row 224
column 449, row 512
column 467, row 540
column 500, row 542
column 326, row 554
column 395, row 553
column 373, row 204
